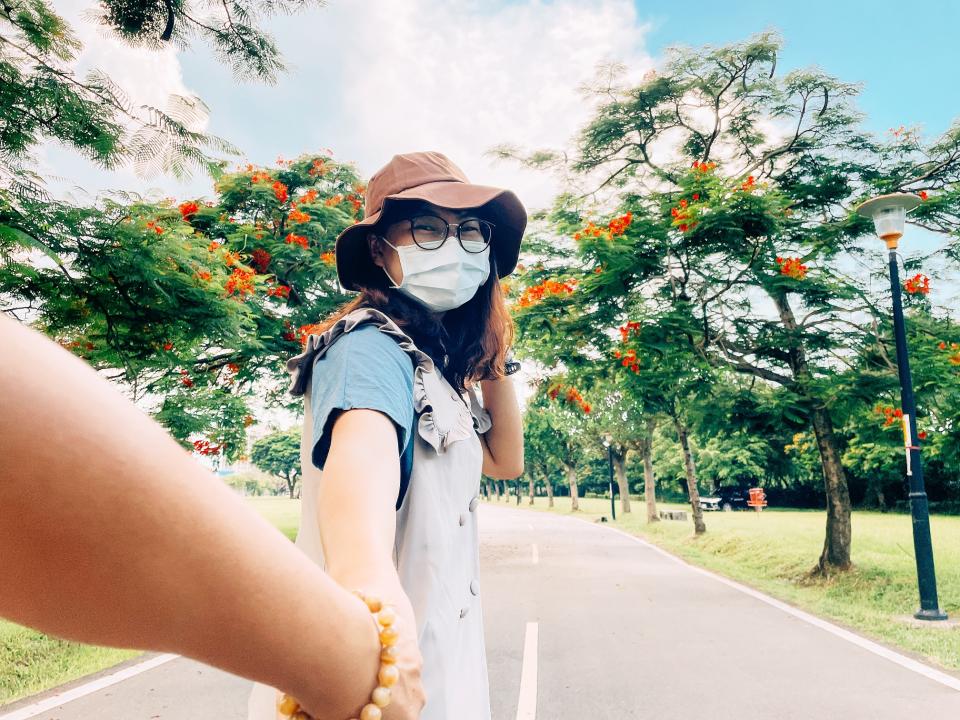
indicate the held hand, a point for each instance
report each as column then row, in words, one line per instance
column 395, row 669
column 407, row 696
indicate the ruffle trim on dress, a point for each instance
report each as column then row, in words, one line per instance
column 444, row 416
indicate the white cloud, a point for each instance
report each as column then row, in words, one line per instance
column 146, row 76
column 461, row 77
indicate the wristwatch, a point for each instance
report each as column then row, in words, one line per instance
column 511, row 366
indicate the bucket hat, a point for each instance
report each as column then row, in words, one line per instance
column 430, row 177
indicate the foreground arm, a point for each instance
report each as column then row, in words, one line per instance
column 113, row 535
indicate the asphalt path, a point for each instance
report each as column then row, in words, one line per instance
column 586, row 623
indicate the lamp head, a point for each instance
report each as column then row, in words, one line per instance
column 889, row 213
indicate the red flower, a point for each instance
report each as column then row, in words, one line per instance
column 792, row 267
column 260, row 259
column 240, row 282
column 294, row 239
column 168, row 346
column 942, row 345
column 328, row 258
column 281, row 291
column 204, row 275
column 280, row 191
column 919, row 283
column 185, row 379
column 188, row 208
column 923, row 195
column 922, row 435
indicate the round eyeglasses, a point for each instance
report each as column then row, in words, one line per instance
column 430, row 232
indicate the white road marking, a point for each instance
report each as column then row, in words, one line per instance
column 902, row 660
column 527, row 705
column 53, row 701
column 530, row 526
column 536, row 554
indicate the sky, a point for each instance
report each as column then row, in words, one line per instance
column 371, row 78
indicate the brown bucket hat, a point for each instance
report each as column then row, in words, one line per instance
column 432, row 177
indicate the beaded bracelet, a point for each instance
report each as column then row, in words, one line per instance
column 385, row 616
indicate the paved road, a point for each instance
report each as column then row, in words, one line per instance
column 623, row 632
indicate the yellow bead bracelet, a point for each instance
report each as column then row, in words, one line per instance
column 385, row 617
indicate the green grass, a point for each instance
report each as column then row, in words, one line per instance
column 32, row 662
column 281, row 512
column 775, row 550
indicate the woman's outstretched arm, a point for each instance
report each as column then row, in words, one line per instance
column 111, row 534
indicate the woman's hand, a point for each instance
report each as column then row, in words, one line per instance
column 407, row 695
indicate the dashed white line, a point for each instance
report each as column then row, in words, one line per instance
column 536, row 554
column 527, row 704
column 93, row 686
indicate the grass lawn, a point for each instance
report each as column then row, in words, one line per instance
column 31, row 662
column 774, row 551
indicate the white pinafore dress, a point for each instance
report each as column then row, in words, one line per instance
column 436, row 547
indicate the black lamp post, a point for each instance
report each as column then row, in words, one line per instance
column 608, row 444
column 889, row 215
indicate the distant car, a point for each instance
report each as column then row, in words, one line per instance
column 726, row 499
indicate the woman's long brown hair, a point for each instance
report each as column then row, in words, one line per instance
column 468, row 344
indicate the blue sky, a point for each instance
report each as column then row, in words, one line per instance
column 905, row 54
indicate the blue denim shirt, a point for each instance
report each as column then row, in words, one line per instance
column 364, row 369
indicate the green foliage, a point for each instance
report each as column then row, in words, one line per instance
column 195, row 307
column 710, row 218
column 279, row 454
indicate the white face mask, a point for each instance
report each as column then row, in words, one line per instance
column 441, row 279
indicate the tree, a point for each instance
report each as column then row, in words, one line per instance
column 196, row 306
column 42, row 98
column 279, row 454
column 555, row 422
column 742, row 184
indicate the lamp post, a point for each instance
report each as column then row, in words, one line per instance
column 889, row 215
column 608, row 444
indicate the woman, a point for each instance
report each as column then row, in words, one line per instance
column 112, row 534
column 394, row 436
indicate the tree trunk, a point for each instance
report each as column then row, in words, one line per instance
column 649, row 481
column 572, row 480
column 836, row 545
column 691, row 472
column 291, row 485
column 620, row 472
column 549, row 492
column 533, row 489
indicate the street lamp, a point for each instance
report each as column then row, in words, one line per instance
column 608, row 444
column 889, row 214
